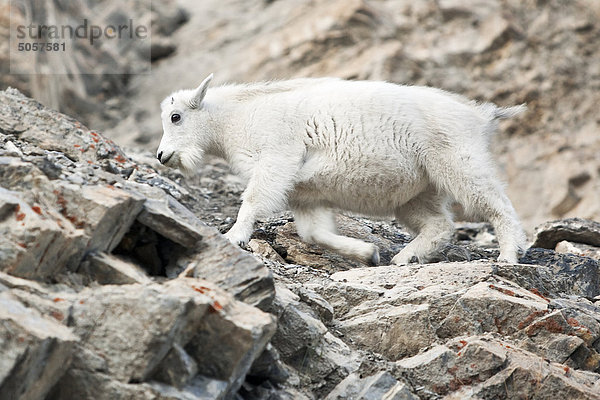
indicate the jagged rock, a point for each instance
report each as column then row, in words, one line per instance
column 105, row 213
column 305, row 343
column 384, row 330
column 323, row 309
column 228, row 341
column 100, row 386
column 263, row 248
column 491, row 308
column 36, row 350
column 267, row 391
column 555, row 274
column 443, row 301
column 234, row 270
column 109, row 269
column 442, row 370
column 221, row 338
column 298, row 330
column 416, row 296
column 200, row 388
column 169, row 218
column 177, row 368
column 483, row 367
column 379, row 386
column 133, row 347
column 565, row 336
column 268, row 366
column 89, row 385
column 34, row 245
column 131, row 334
column 578, row 230
column 578, row 249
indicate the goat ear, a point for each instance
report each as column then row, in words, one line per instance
column 200, row 92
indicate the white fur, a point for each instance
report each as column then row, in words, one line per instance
column 375, row 148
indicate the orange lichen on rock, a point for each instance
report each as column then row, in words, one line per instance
column 18, row 214
column 549, row 324
column 529, row 319
column 215, row 307
column 502, row 290
column 57, row 315
column 537, row 293
column 201, row 289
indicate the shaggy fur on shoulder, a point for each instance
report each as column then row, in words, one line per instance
column 374, row 148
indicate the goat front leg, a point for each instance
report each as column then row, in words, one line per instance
column 266, row 194
column 241, row 231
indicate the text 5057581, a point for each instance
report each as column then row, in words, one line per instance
column 26, row 46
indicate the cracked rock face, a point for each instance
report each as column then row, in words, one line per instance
column 91, row 247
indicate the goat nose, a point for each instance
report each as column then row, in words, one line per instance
column 159, row 156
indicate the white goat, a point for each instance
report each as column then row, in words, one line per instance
column 373, row 148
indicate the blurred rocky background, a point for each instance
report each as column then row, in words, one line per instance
column 115, row 282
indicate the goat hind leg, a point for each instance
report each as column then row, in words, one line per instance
column 476, row 187
column 428, row 217
column 318, row 226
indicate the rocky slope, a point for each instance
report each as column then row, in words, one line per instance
column 115, row 282
column 113, row 287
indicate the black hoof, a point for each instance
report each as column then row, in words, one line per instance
column 374, row 261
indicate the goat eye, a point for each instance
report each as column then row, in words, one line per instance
column 175, row 118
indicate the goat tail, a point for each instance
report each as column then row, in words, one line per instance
column 492, row 112
column 509, row 112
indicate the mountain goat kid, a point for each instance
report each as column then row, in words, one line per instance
column 374, row 148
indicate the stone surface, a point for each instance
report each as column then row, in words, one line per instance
column 555, row 274
column 124, row 342
column 106, row 239
column 105, row 213
column 379, row 386
column 36, row 246
column 229, row 339
column 169, row 218
column 578, row 230
column 177, row 368
column 242, row 274
column 36, row 350
column 483, row 367
column 109, row 269
column 318, row 304
column 268, row 366
column 264, row 249
column 579, row 249
column 169, row 340
column 306, row 344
